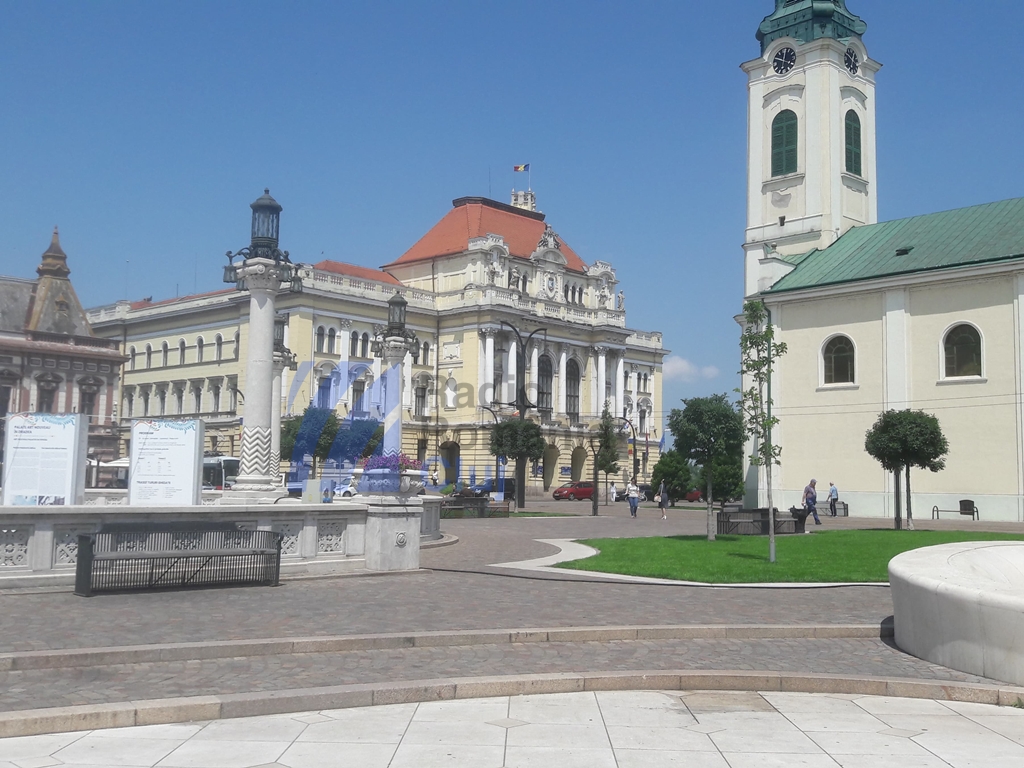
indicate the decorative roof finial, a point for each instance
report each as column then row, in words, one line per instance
column 55, row 261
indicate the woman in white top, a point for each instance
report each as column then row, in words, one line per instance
column 633, row 495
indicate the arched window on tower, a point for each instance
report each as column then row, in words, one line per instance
column 840, row 360
column 545, row 377
column 853, row 153
column 784, row 143
column 963, row 351
column 320, row 339
column 572, row 391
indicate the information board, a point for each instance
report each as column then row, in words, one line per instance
column 44, row 459
column 166, row 467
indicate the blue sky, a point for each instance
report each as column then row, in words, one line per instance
column 145, row 129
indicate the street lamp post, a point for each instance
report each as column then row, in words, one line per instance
column 497, row 458
column 264, row 270
column 594, row 448
column 393, row 343
column 522, row 402
column 636, row 457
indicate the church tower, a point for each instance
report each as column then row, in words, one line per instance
column 811, row 136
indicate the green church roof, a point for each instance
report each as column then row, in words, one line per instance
column 808, row 20
column 959, row 238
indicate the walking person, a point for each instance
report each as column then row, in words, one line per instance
column 663, row 500
column 613, row 494
column 633, row 496
column 811, row 500
column 833, row 497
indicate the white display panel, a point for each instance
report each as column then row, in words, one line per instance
column 166, row 466
column 44, row 459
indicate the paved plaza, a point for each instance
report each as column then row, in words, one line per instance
column 463, row 619
column 607, row 729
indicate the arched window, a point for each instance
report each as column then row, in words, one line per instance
column 853, row 163
column 963, row 351
column 545, row 376
column 131, row 359
column 572, row 391
column 364, row 347
column 181, row 352
column 784, row 143
column 839, row 357
column 218, row 347
column 320, row 339
column 426, row 353
column 164, row 354
column 149, row 357
column 331, row 334
column 199, row 350
column 353, row 349
column 238, row 345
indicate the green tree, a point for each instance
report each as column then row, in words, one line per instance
column 675, row 471
column 707, row 430
column 519, row 439
column 900, row 440
column 311, row 433
column 728, row 476
column 607, row 458
column 356, row 439
column 758, row 352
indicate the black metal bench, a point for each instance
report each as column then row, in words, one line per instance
column 126, row 556
column 464, row 506
column 966, row 508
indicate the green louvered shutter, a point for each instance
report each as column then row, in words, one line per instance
column 853, row 153
column 784, row 143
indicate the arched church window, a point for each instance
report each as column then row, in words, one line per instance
column 853, row 153
column 320, row 339
column 963, row 351
column 784, row 143
column 839, row 357
column 545, row 377
column 572, row 391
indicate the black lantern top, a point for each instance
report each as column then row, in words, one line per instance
column 266, row 221
column 396, row 315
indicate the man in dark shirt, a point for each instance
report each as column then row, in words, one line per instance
column 811, row 500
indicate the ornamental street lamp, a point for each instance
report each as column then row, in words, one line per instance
column 636, row 457
column 393, row 343
column 263, row 271
column 522, row 403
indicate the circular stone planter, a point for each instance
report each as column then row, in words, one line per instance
column 962, row 606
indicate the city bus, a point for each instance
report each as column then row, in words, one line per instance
column 219, row 472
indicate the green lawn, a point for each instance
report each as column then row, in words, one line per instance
column 831, row 556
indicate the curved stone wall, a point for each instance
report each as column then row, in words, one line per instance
column 962, row 606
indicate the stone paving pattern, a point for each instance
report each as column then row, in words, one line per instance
column 125, row 682
column 647, row 729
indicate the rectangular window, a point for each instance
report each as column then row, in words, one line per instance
column 359, row 410
column 420, row 404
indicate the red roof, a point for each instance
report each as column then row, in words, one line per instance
column 473, row 217
column 352, row 270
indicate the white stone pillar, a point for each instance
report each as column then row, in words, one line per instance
column 275, row 416
column 595, row 406
column 345, row 339
column 394, row 350
column 602, row 381
column 620, row 375
column 487, row 392
column 534, row 373
column 407, row 380
column 511, row 371
column 562, row 359
column 262, row 279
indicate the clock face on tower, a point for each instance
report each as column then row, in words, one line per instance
column 784, row 60
column 852, row 61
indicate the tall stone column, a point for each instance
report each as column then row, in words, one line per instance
column 488, row 394
column 393, row 350
column 562, row 360
column 262, row 278
column 534, row 373
column 511, row 370
column 620, row 376
column 602, row 380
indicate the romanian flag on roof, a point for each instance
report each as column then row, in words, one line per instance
column 521, row 168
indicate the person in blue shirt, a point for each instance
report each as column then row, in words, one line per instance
column 833, row 497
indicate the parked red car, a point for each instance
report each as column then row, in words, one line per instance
column 573, row 491
column 695, row 495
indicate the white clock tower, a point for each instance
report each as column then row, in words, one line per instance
column 811, row 136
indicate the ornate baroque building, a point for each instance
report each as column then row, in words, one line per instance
column 483, row 263
column 50, row 359
column 922, row 313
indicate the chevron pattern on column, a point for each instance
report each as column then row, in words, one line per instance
column 255, row 459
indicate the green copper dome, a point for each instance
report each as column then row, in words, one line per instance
column 808, row 20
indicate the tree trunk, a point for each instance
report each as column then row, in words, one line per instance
column 521, row 483
column 896, row 509
column 712, row 523
column 910, row 515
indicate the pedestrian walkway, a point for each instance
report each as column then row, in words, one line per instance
column 605, row 729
